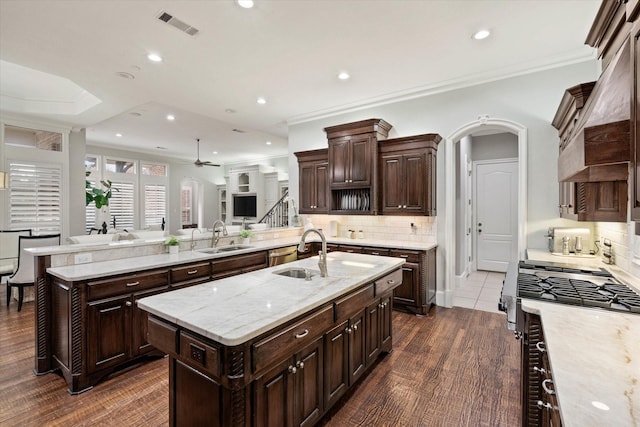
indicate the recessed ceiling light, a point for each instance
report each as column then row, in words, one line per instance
column 171, row 117
column 246, row 4
column 268, row 142
column 215, row 152
column 261, row 101
column 482, row 34
column 343, row 75
column 154, row 57
column 119, row 135
column 230, row 110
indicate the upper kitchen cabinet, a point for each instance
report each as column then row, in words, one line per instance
column 353, row 171
column 313, row 170
column 408, row 175
column 598, row 124
column 635, row 114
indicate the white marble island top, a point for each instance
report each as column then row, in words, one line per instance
column 595, row 363
column 234, row 310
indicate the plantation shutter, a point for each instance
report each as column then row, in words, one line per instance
column 155, row 204
column 35, row 200
column 121, row 205
column 90, row 214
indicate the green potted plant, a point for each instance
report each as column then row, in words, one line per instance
column 246, row 236
column 99, row 196
column 173, row 243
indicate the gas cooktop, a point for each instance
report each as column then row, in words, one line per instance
column 576, row 286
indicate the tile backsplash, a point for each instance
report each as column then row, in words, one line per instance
column 409, row 228
column 625, row 245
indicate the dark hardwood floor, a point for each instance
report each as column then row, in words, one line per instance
column 458, row 367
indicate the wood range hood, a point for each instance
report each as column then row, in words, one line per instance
column 595, row 119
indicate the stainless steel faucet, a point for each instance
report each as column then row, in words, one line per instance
column 216, row 233
column 193, row 242
column 322, row 262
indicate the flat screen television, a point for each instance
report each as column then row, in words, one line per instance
column 244, row 206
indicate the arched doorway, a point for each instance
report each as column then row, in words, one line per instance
column 482, row 124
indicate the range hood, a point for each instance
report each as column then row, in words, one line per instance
column 599, row 148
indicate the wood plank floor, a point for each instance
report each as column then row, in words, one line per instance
column 458, row 367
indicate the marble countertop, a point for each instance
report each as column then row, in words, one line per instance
column 129, row 265
column 236, row 309
column 74, row 248
column 595, row 363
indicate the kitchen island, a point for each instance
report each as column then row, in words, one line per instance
column 268, row 349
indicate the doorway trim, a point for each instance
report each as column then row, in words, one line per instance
column 482, row 123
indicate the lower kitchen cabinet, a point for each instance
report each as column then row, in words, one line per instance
column 195, row 411
column 239, row 264
column 539, row 401
column 292, row 392
column 108, row 332
column 336, row 363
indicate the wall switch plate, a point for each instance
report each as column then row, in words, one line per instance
column 83, row 258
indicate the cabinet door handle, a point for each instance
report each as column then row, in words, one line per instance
column 404, row 206
column 391, row 282
column 381, row 305
column 292, row 369
column 355, row 327
column 545, row 386
column 302, row 334
column 540, row 346
column 132, row 284
column 128, row 303
column 399, row 206
column 375, row 253
column 192, row 271
column 404, row 256
column 300, row 364
column 348, row 330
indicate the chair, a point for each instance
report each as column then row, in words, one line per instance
column 25, row 274
column 9, row 250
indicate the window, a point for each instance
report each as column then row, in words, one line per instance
column 35, row 197
column 120, row 166
column 121, row 206
column 155, row 204
column 90, row 214
column 153, row 169
column 185, row 206
column 32, row 138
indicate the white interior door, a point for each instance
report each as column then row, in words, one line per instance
column 496, row 219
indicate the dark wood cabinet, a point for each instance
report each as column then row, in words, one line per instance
column 417, row 292
column 238, row 264
column 539, row 401
column 313, row 172
column 635, row 114
column 353, row 165
column 108, row 332
column 357, row 354
column 336, row 363
column 291, row 394
column 408, row 175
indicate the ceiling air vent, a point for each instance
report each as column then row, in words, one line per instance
column 175, row 22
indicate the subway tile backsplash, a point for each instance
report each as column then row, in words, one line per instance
column 625, row 245
column 380, row 227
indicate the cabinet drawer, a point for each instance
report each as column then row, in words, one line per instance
column 162, row 336
column 130, row 283
column 375, row 251
column 390, row 281
column 350, row 249
column 410, row 256
column 190, row 272
column 199, row 354
column 350, row 304
column 239, row 262
column 287, row 342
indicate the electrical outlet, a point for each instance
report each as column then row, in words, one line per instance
column 83, row 258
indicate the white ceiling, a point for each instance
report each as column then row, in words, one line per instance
column 288, row 51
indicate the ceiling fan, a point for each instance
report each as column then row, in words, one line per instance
column 199, row 163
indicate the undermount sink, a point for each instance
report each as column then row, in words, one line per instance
column 297, row 272
column 573, row 255
column 223, row 249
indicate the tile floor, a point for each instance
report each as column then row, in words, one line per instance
column 481, row 291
